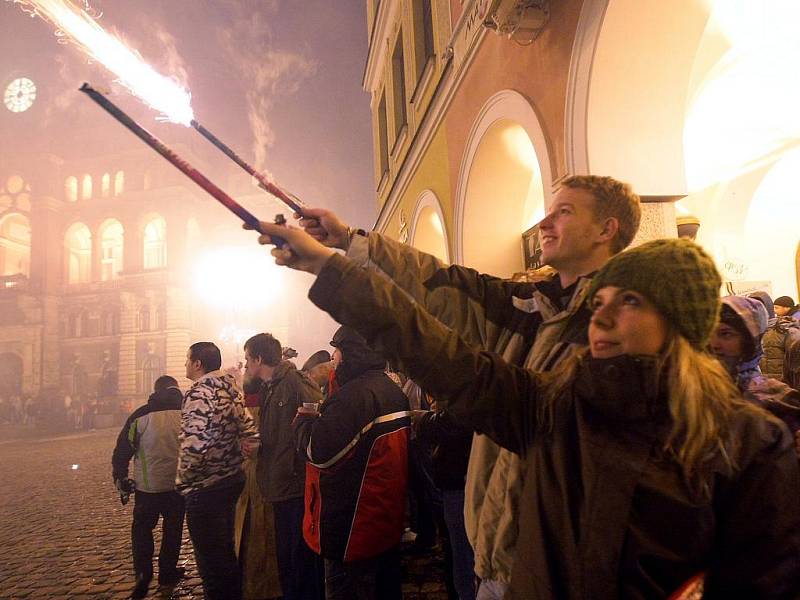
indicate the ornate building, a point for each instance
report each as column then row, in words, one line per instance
column 94, row 284
column 481, row 107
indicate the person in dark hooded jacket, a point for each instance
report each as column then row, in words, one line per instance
column 737, row 344
column 781, row 342
column 357, row 448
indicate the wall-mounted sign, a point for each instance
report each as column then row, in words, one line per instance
column 531, row 248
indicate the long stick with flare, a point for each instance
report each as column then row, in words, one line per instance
column 289, row 199
column 193, row 174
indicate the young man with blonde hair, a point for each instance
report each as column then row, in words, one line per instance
column 531, row 324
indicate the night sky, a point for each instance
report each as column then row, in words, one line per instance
column 278, row 80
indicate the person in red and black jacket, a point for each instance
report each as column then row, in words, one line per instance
column 357, row 448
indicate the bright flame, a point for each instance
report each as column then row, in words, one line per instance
column 158, row 91
column 258, row 281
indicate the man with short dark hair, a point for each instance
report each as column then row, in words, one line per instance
column 280, row 467
column 150, row 437
column 215, row 433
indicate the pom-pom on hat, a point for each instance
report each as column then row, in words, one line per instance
column 677, row 276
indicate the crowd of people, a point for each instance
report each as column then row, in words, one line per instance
column 606, row 427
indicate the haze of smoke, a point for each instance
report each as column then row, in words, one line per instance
column 268, row 71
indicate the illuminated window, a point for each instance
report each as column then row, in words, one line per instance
column 78, row 247
column 15, row 245
column 155, row 243
column 111, row 242
column 105, row 184
column 86, row 187
column 119, row 183
column 71, row 188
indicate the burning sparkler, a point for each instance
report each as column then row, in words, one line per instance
column 290, row 200
column 159, row 92
column 193, row 174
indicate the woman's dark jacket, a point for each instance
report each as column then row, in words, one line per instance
column 605, row 513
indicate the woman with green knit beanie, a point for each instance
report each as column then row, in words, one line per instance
column 647, row 475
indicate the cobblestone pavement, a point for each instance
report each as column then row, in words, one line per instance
column 64, row 533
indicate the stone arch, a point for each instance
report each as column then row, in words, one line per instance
column 504, row 184
column 112, row 245
column 428, row 231
column 154, row 242
column 78, row 253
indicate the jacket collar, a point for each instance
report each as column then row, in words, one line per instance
column 550, row 292
column 625, row 388
column 210, row 375
column 280, row 371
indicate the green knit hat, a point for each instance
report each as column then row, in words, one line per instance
column 674, row 274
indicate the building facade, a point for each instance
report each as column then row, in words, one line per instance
column 94, row 301
column 481, row 107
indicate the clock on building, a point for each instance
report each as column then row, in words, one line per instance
column 20, row 94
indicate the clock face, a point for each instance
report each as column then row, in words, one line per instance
column 19, row 95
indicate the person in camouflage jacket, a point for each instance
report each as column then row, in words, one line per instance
column 216, row 432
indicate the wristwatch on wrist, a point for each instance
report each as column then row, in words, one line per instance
column 351, row 232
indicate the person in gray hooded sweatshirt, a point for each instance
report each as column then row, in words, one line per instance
column 736, row 342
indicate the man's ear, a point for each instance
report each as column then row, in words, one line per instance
column 609, row 230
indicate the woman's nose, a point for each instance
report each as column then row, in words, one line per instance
column 603, row 316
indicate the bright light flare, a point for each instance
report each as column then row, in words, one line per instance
column 257, row 280
column 744, row 114
column 161, row 93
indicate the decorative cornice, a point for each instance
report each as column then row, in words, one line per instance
column 378, row 48
column 447, row 87
column 584, row 46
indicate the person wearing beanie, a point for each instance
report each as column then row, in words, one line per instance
column 781, row 344
column 319, row 368
column 646, row 472
column 785, row 307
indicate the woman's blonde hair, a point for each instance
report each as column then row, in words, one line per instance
column 702, row 399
